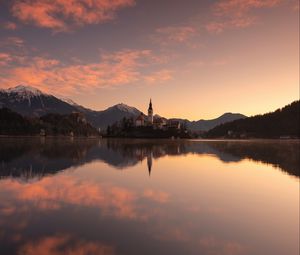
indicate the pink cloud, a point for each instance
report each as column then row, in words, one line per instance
column 65, row 245
column 12, row 41
column 5, row 58
column 10, row 25
column 236, row 13
column 159, row 76
column 175, row 34
column 219, row 246
column 295, row 5
column 113, row 69
column 61, row 15
column 44, row 63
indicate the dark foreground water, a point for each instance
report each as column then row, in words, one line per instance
column 86, row 197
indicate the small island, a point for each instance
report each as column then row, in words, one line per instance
column 148, row 126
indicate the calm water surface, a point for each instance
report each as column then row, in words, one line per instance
column 84, row 197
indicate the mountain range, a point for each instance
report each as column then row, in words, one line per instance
column 32, row 102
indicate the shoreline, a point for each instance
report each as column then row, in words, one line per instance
column 154, row 138
column 49, row 136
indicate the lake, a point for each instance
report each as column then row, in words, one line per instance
column 109, row 196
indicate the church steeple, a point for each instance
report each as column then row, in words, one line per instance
column 150, row 105
column 150, row 113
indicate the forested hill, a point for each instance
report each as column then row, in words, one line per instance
column 12, row 123
column 281, row 123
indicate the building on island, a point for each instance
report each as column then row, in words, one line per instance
column 140, row 120
column 174, row 124
column 156, row 122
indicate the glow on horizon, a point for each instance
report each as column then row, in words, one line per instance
column 196, row 60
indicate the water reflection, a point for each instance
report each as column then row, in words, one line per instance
column 66, row 197
column 35, row 158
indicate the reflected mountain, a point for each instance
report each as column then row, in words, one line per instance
column 33, row 158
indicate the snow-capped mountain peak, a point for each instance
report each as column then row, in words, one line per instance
column 68, row 101
column 125, row 108
column 23, row 93
column 25, row 90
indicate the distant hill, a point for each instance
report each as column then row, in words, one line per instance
column 31, row 102
column 280, row 123
column 12, row 123
column 112, row 114
column 205, row 125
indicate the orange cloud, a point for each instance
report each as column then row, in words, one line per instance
column 236, row 13
column 113, row 69
column 65, row 245
column 61, row 15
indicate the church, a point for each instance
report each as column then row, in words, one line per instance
column 154, row 121
column 143, row 120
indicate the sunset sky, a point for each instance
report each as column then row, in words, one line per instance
column 195, row 58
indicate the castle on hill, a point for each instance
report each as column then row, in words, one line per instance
column 155, row 121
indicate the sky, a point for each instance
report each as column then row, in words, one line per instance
column 195, row 59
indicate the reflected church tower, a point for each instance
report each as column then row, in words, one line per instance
column 150, row 113
column 149, row 162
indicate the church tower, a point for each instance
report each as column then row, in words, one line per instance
column 150, row 113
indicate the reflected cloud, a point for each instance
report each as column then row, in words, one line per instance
column 53, row 193
column 86, row 211
column 157, row 196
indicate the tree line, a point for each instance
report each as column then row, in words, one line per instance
column 283, row 122
column 74, row 124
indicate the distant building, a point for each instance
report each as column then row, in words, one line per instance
column 140, row 120
column 143, row 120
column 159, row 123
column 174, row 124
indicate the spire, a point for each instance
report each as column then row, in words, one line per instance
column 150, row 105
